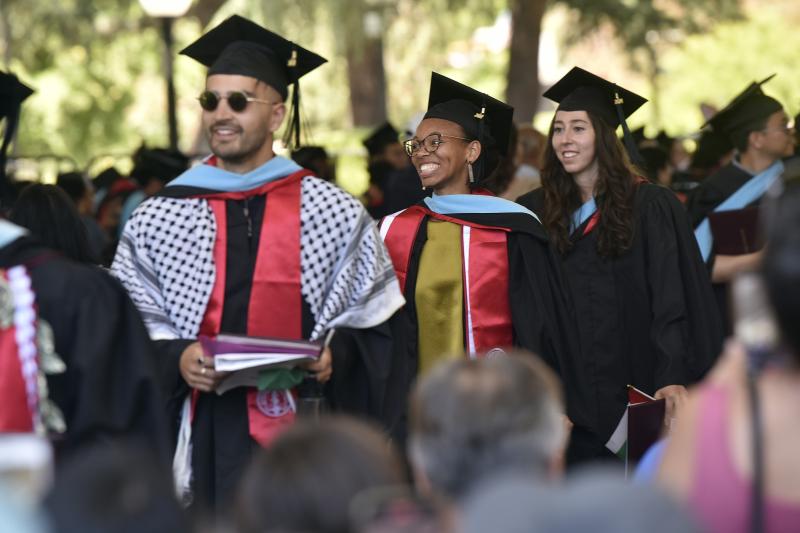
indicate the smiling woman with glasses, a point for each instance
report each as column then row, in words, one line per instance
column 459, row 254
column 430, row 143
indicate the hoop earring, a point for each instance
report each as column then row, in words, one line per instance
column 470, row 172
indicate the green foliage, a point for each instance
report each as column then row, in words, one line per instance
column 97, row 64
column 639, row 23
column 77, row 54
column 716, row 66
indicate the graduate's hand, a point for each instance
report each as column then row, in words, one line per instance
column 322, row 367
column 198, row 371
column 727, row 267
column 675, row 396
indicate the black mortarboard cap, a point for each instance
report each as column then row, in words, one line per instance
column 381, row 137
column 482, row 117
column 711, row 146
column 240, row 46
column 163, row 164
column 12, row 93
column 664, row 140
column 745, row 113
column 580, row 90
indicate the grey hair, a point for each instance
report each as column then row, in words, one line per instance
column 471, row 419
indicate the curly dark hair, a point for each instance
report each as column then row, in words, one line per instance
column 614, row 193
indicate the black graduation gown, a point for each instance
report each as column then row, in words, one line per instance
column 541, row 313
column 109, row 390
column 221, row 442
column 714, row 190
column 704, row 199
column 646, row 318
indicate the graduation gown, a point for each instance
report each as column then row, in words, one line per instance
column 541, row 315
column 646, row 318
column 222, row 445
column 702, row 201
column 714, row 190
column 109, row 390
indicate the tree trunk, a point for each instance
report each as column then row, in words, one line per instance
column 365, row 74
column 522, row 91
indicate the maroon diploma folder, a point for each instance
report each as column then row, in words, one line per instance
column 735, row 232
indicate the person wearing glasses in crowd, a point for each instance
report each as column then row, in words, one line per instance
column 251, row 243
column 758, row 127
column 475, row 269
column 643, row 300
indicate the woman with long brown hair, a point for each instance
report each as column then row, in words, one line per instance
column 642, row 295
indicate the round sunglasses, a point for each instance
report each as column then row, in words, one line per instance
column 237, row 100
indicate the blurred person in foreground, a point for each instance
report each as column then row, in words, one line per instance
column 250, row 243
column 307, row 479
column 595, row 500
column 644, row 308
column 114, row 489
column 473, row 420
column 76, row 364
column 758, row 127
column 18, row 517
column 734, row 477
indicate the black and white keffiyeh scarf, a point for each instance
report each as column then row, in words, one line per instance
column 165, row 261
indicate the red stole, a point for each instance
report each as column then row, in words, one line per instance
column 275, row 308
column 485, row 274
column 19, row 363
column 595, row 218
column 15, row 414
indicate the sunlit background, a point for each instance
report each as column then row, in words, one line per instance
column 99, row 71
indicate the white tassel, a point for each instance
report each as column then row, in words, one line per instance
column 182, row 461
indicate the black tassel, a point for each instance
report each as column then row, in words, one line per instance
column 292, row 136
column 478, row 164
column 5, row 184
column 627, row 137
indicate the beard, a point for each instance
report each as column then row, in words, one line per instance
column 240, row 145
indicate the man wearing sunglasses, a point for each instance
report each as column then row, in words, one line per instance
column 250, row 243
